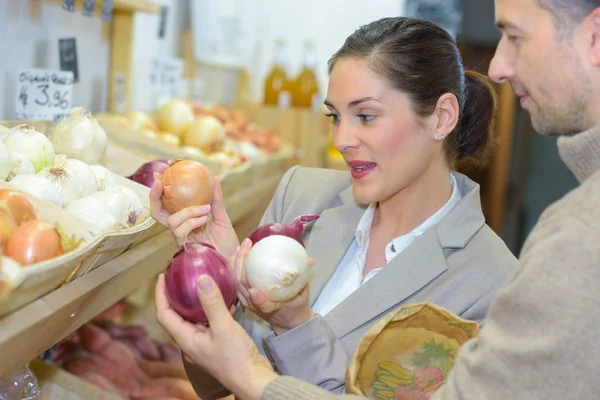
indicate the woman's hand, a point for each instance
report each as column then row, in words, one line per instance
column 185, row 224
column 282, row 316
column 223, row 349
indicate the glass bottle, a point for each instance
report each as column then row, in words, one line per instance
column 277, row 84
column 306, row 87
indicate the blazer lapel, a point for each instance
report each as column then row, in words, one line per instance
column 415, row 267
column 329, row 239
column 405, row 275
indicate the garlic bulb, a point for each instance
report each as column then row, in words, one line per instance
column 80, row 136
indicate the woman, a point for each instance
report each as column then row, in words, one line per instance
column 402, row 227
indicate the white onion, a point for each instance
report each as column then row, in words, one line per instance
column 80, row 136
column 4, row 131
column 70, row 186
column 39, row 187
column 96, row 212
column 227, row 160
column 23, row 139
column 5, row 162
column 80, row 170
column 103, row 176
column 278, row 266
column 206, row 133
column 135, row 206
column 20, row 165
column 9, row 268
column 117, row 202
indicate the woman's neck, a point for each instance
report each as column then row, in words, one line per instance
column 409, row 208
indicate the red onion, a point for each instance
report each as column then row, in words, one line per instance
column 293, row 230
column 144, row 174
column 191, row 261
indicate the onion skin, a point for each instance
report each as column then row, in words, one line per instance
column 293, row 230
column 19, row 206
column 7, row 225
column 186, row 183
column 145, row 174
column 170, row 138
column 174, row 116
column 191, row 261
column 34, row 242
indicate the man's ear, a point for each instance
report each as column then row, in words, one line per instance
column 591, row 30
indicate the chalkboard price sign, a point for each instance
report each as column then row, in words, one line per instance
column 44, row 95
column 68, row 57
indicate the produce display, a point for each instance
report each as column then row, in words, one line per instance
column 125, row 361
column 63, row 170
column 217, row 134
column 25, row 239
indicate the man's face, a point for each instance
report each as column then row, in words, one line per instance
column 543, row 67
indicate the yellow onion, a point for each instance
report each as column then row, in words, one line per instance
column 168, row 137
column 34, row 242
column 206, row 133
column 186, row 183
column 149, row 133
column 174, row 116
column 18, row 205
column 140, row 120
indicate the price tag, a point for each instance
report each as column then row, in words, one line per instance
column 67, row 53
column 165, row 77
column 88, row 8
column 107, row 9
column 44, row 95
column 69, row 5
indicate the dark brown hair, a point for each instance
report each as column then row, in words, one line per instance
column 421, row 59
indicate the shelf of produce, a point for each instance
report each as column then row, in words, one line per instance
column 29, row 331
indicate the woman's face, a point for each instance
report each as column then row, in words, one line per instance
column 386, row 145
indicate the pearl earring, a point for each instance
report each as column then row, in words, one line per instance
column 440, row 137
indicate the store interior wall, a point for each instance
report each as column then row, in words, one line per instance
column 29, row 34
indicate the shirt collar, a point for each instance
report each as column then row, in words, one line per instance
column 363, row 229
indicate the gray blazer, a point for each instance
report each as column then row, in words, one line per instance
column 458, row 264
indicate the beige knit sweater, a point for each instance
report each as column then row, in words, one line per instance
column 541, row 339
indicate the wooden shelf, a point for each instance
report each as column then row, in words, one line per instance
column 31, row 330
column 136, row 6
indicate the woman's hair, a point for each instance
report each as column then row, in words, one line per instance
column 422, row 60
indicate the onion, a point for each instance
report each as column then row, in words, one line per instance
column 34, row 242
column 293, row 230
column 140, row 120
column 18, row 205
column 206, row 133
column 193, row 152
column 278, row 266
column 23, row 139
column 124, row 202
column 80, row 136
column 227, row 160
column 20, row 165
column 145, row 174
column 38, row 187
column 186, row 183
column 5, row 162
column 103, row 176
column 175, row 116
column 74, row 179
column 148, row 133
column 187, row 264
column 4, row 131
column 168, row 137
column 7, row 225
column 9, row 269
column 96, row 212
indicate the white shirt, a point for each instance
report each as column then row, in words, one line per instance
column 348, row 276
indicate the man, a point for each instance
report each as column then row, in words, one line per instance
column 540, row 337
